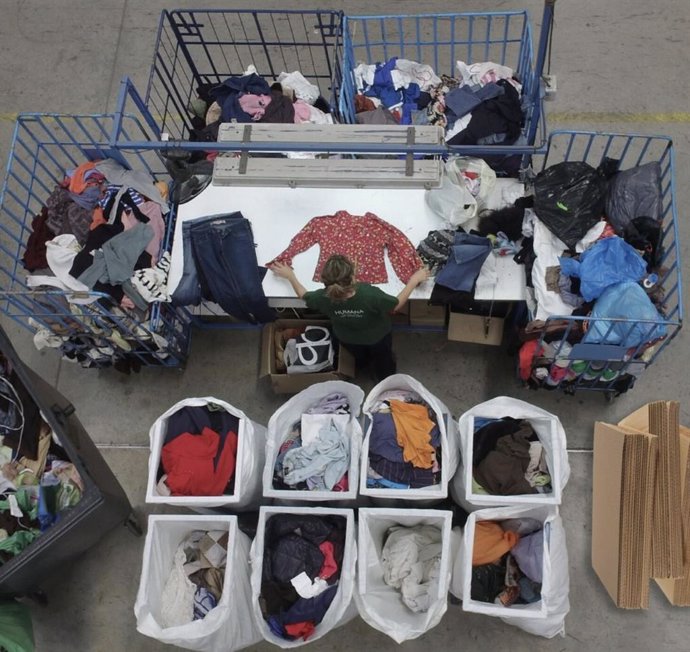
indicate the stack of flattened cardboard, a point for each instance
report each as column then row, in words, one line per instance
column 641, row 506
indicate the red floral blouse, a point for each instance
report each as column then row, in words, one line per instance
column 362, row 239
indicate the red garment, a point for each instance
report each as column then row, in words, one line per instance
column 300, row 630
column 188, row 461
column 330, row 567
column 363, row 239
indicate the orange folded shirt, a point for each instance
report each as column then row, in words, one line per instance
column 413, row 433
column 491, row 542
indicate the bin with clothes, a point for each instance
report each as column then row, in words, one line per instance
column 403, row 569
column 411, row 448
column 512, row 453
column 391, row 76
column 313, row 445
column 602, row 257
column 205, row 453
column 513, row 564
column 302, row 573
column 194, row 590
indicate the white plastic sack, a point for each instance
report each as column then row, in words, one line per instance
column 280, row 424
column 229, row 626
column 453, row 201
column 551, row 435
column 249, row 462
column 379, row 604
column 342, row 609
column 544, row 618
column 450, row 442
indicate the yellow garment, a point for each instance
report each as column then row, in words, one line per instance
column 491, row 542
column 162, row 188
column 413, row 433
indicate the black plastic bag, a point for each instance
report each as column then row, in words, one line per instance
column 569, row 199
column 633, row 193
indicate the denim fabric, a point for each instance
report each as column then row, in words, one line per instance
column 468, row 255
column 220, row 264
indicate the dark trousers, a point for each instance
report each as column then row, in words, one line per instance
column 220, row 265
column 379, row 355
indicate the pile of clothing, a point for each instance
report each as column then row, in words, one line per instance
column 593, row 247
column 411, row 561
column 199, row 452
column 302, row 563
column 289, row 99
column 101, row 230
column 508, row 561
column 508, row 458
column 38, row 486
column 404, row 443
column 315, row 454
column 195, row 584
column 481, row 106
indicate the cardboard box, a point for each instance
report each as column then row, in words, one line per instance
column 475, row 328
column 284, row 383
column 422, row 313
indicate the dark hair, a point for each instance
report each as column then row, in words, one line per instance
column 338, row 275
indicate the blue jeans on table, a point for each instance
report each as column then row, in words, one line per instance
column 220, row 265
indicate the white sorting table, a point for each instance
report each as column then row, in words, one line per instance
column 277, row 214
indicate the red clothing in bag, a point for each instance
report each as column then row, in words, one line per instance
column 362, row 239
column 188, row 461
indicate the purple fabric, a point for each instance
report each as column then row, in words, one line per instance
column 529, row 554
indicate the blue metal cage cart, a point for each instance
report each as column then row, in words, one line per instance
column 440, row 40
column 88, row 327
column 613, row 351
column 206, row 46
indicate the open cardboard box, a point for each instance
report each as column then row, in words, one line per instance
column 475, row 328
column 284, row 383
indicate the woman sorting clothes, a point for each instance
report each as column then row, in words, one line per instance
column 359, row 312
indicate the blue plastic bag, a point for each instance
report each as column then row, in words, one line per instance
column 630, row 302
column 607, row 262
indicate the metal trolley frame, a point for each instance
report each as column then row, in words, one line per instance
column 44, row 146
column 599, row 367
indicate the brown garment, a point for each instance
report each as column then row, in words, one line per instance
column 502, row 471
column 551, row 277
column 363, row 103
column 35, row 254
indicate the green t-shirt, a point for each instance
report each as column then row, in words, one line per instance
column 361, row 319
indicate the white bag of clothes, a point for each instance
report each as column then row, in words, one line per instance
column 163, row 610
column 246, row 476
column 466, row 185
column 544, row 617
column 332, row 447
column 403, row 569
column 340, row 607
column 376, row 485
column 551, row 436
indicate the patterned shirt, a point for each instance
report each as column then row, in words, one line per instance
column 363, row 239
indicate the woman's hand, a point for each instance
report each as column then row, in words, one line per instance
column 282, row 270
column 421, row 275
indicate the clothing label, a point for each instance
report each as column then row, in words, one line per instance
column 305, row 588
column 14, row 506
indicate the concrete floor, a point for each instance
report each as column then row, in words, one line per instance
column 619, row 67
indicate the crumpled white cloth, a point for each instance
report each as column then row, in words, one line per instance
column 306, row 588
column 411, row 559
column 302, row 87
column 484, row 73
column 177, row 600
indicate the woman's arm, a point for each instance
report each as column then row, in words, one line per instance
column 285, row 271
column 418, row 277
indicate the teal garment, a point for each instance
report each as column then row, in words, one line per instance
column 17, row 542
column 16, row 629
column 364, row 318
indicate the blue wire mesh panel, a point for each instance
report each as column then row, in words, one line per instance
column 44, row 146
column 440, row 40
column 601, row 367
column 208, row 46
